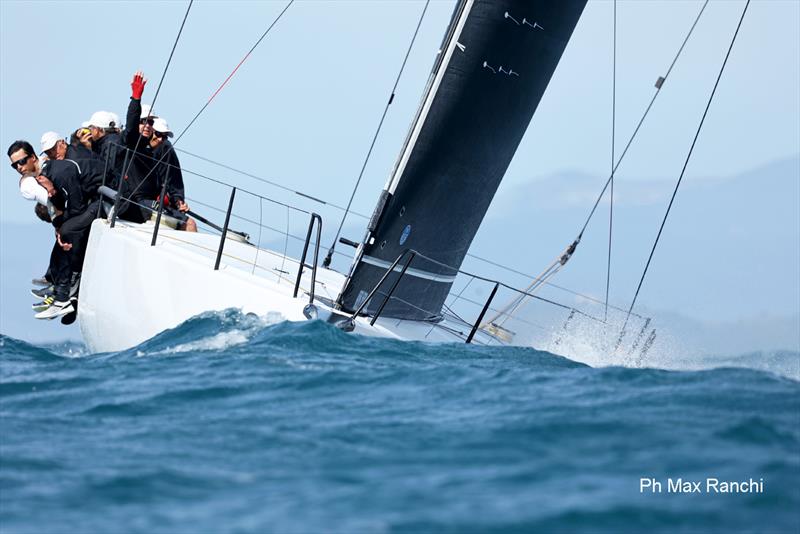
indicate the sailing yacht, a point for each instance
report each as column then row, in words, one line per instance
column 493, row 67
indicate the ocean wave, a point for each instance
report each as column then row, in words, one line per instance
column 232, row 332
column 13, row 349
column 229, row 422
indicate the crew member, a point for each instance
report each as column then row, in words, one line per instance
column 139, row 186
column 89, row 166
column 107, row 144
column 62, row 180
column 30, row 189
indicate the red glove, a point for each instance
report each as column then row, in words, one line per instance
column 137, row 85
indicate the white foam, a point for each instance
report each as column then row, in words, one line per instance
column 220, row 341
column 593, row 345
column 250, row 324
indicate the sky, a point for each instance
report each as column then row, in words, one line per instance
column 302, row 109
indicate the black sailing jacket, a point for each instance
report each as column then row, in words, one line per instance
column 110, row 146
column 170, row 161
column 66, row 177
column 90, row 169
column 142, row 180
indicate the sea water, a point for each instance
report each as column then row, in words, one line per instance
column 230, row 424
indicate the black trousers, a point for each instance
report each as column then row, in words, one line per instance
column 65, row 262
column 134, row 211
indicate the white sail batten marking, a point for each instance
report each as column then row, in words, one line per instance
column 500, row 69
column 535, row 24
column 451, row 46
column 417, row 273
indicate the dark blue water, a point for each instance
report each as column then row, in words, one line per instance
column 227, row 425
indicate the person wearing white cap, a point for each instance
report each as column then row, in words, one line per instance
column 107, row 144
column 175, row 203
column 51, row 144
column 55, row 147
column 139, row 186
column 91, row 173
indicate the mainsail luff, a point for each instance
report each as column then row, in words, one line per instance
column 494, row 67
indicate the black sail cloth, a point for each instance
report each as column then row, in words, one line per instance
column 492, row 71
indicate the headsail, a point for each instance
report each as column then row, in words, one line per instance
column 494, row 66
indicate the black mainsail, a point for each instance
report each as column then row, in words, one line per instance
column 493, row 68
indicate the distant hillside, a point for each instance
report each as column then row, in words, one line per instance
column 730, row 249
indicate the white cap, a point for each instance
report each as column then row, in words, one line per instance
column 85, row 124
column 160, row 125
column 102, row 119
column 49, row 140
column 146, row 112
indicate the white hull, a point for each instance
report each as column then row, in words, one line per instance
column 131, row 291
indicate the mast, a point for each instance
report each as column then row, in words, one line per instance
column 494, row 65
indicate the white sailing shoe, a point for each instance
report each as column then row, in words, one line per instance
column 57, row 309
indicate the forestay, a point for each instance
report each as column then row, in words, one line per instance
column 491, row 72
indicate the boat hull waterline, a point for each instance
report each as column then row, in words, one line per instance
column 131, row 291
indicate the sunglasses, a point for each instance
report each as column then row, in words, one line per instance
column 23, row 161
column 147, row 121
column 160, row 135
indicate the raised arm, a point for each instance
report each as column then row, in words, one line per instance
column 131, row 134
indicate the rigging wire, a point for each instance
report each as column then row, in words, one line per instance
column 158, row 89
column 551, row 284
column 613, row 146
column 216, row 181
column 659, row 85
column 247, row 55
column 186, row 128
column 685, row 164
column 269, row 182
column 328, row 257
column 169, row 60
column 567, row 254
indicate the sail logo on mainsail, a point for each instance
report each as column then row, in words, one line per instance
column 405, row 234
